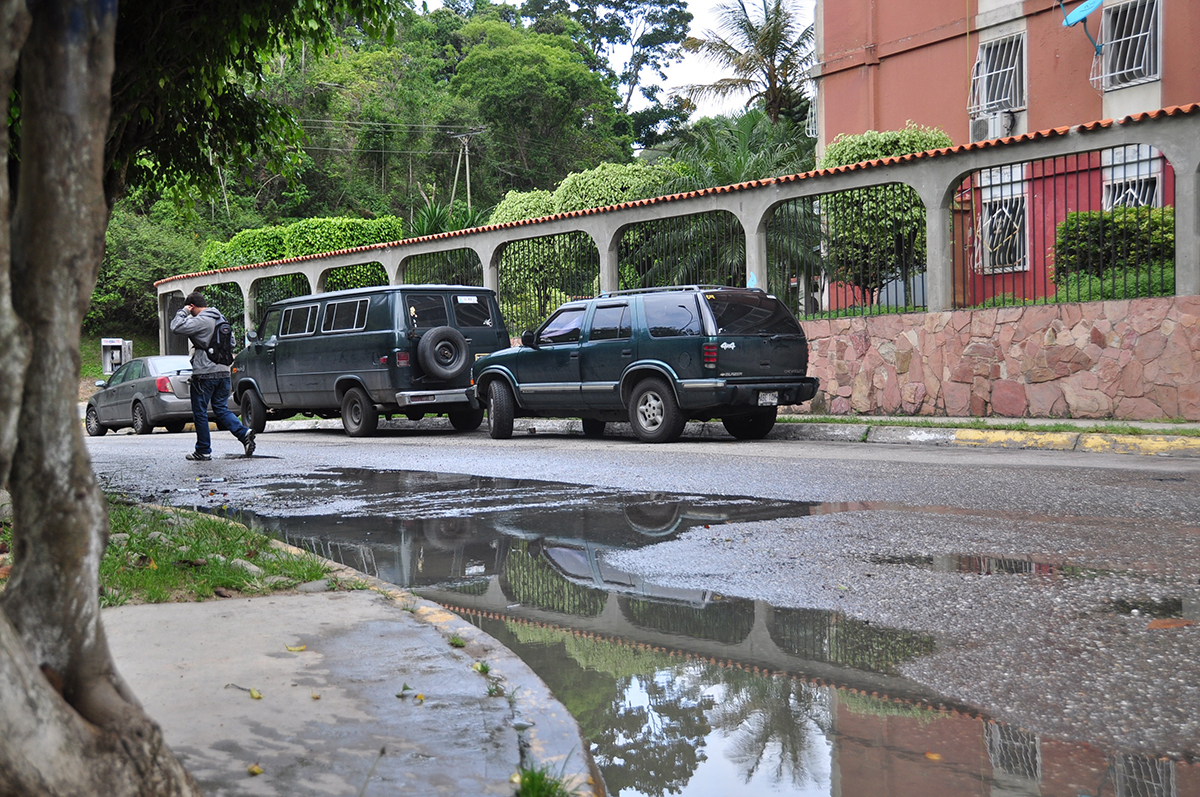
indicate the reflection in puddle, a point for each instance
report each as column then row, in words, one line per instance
column 985, row 565
column 686, row 691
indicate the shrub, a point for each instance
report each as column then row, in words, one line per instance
column 307, row 237
column 1093, row 242
column 1155, row 279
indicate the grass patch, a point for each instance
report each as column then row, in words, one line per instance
column 540, row 782
column 156, row 556
column 1099, row 427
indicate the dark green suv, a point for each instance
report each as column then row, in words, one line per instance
column 656, row 358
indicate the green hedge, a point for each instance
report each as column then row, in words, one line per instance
column 1097, row 241
column 307, row 237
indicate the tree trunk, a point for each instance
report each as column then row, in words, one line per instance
column 69, row 723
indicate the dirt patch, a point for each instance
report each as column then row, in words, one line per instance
column 87, row 389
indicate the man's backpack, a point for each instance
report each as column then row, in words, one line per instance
column 220, row 344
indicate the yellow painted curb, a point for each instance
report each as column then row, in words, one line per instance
column 1151, row 444
column 998, row 438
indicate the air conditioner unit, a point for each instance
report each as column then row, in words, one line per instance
column 995, row 125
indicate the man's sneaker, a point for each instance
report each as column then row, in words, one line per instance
column 196, row 456
column 248, row 442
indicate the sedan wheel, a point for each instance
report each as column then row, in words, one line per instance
column 91, row 422
column 141, row 424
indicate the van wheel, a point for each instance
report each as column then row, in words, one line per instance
column 141, row 424
column 91, row 422
column 755, row 426
column 467, row 420
column 254, row 412
column 593, row 427
column 500, row 410
column 443, row 353
column 414, row 415
column 359, row 416
column 654, row 413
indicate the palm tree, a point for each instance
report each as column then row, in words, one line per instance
column 769, row 56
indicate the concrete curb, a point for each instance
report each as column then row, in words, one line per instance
column 1159, row 445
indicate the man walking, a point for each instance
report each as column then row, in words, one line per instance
column 210, row 380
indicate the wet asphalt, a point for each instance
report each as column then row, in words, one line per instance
column 1040, row 573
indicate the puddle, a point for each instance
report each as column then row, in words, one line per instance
column 687, row 691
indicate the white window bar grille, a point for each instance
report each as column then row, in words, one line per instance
column 1002, row 245
column 1129, row 46
column 998, row 78
column 1014, row 752
column 1142, row 776
column 1132, row 176
column 812, row 126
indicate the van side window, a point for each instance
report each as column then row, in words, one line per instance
column 611, row 323
column 472, row 311
column 299, row 321
column 670, row 316
column 426, row 310
column 345, row 316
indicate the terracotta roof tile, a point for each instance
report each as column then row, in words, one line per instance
column 1100, row 124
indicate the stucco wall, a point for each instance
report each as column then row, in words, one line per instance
column 1137, row 360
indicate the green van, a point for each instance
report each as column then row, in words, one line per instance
column 404, row 349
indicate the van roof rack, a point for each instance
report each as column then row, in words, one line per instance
column 665, row 288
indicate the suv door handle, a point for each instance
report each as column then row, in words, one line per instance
column 574, row 355
column 626, row 352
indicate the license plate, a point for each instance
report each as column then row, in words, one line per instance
column 768, row 398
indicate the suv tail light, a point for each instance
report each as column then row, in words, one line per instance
column 163, row 385
column 402, row 359
column 710, row 355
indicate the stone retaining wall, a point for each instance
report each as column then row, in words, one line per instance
column 1137, row 359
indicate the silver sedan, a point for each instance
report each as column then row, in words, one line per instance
column 143, row 393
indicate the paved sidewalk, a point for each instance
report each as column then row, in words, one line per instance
column 326, row 711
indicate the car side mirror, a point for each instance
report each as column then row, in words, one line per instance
column 529, row 339
column 101, row 383
column 251, row 336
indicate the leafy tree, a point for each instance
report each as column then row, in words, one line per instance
column 728, row 150
column 874, row 235
column 157, row 93
column 768, row 53
column 545, row 110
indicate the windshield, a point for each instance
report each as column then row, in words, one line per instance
column 169, row 365
column 750, row 314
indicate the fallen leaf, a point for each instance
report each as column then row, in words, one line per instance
column 152, row 565
column 1174, row 622
column 254, row 693
column 405, row 688
column 420, row 698
column 254, row 769
column 221, row 592
column 315, row 696
column 296, row 649
column 3, row 547
column 5, row 570
column 934, row 756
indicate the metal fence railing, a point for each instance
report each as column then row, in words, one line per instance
column 227, row 297
column 273, row 289
column 700, row 249
column 539, row 274
column 456, row 267
column 1085, row 227
column 859, row 252
column 366, row 275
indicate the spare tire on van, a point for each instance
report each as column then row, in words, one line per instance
column 443, row 353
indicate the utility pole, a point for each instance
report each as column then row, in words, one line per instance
column 464, row 140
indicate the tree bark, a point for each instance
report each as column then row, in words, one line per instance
column 69, row 723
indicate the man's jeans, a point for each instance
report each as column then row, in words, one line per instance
column 206, row 388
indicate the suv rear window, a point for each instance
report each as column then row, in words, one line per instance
column 672, row 315
column 751, row 314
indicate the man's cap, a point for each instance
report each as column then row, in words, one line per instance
column 196, row 299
